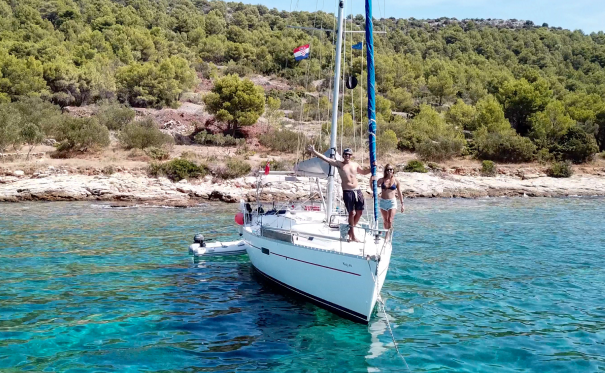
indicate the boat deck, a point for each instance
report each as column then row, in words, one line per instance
column 308, row 229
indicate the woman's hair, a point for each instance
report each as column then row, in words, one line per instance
column 388, row 165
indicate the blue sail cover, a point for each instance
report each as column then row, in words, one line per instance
column 371, row 103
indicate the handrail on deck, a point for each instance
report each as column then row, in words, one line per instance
column 294, row 232
column 277, row 172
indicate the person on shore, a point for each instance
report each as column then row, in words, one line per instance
column 390, row 190
column 351, row 194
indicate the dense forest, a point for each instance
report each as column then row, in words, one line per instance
column 505, row 91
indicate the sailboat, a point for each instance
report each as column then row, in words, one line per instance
column 303, row 247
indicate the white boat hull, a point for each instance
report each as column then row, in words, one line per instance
column 348, row 285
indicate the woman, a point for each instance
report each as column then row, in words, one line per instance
column 388, row 197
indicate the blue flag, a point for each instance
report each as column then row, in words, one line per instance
column 358, row 46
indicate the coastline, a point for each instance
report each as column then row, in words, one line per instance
column 135, row 187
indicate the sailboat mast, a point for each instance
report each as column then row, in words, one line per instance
column 335, row 95
column 371, row 103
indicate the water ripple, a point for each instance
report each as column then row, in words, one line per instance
column 494, row 285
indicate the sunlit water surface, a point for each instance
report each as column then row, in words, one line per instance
column 495, row 285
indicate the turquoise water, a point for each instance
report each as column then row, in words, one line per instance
column 496, row 285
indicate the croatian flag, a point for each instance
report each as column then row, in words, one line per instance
column 302, row 52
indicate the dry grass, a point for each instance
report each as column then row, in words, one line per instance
column 218, row 156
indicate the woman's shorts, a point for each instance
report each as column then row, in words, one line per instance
column 388, row 204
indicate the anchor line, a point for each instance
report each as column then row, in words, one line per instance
column 380, row 301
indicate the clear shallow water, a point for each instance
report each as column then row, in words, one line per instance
column 496, row 285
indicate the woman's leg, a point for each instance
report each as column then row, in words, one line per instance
column 385, row 218
column 391, row 217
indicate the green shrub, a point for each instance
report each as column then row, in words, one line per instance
column 415, row 166
column 233, row 169
column 543, row 156
column 575, row 145
column 226, row 140
column 138, row 155
column 41, row 113
column 143, row 134
column 200, row 137
column 289, row 141
column 433, row 166
column 115, row 116
column 284, row 141
column 178, row 169
column 429, row 131
column 278, row 165
column 81, row 134
column 488, row 168
column 560, row 170
column 440, row 149
column 219, row 139
column 189, row 155
column 108, row 170
column 506, row 146
column 205, row 138
column 386, row 142
column 239, row 70
column 159, row 154
column 10, row 120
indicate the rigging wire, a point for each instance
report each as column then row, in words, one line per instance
column 361, row 142
column 319, row 74
column 331, row 89
column 352, row 91
column 342, row 104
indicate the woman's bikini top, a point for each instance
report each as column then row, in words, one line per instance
column 392, row 187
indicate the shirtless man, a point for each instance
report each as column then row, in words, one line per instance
column 351, row 194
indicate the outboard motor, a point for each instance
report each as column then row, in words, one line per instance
column 199, row 239
column 198, row 242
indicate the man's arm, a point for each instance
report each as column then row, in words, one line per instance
column 333, row 162
column 364, row 171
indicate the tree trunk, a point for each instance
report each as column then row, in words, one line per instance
column 30, row 150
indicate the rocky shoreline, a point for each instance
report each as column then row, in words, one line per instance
column 134, row 186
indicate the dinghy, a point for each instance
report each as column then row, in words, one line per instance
column 201, row 248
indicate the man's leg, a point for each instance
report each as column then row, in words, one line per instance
column 352, row 216
column 358, row 215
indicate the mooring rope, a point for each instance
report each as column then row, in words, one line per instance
column 386, row 317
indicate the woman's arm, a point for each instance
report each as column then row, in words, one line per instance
column 400, row 195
